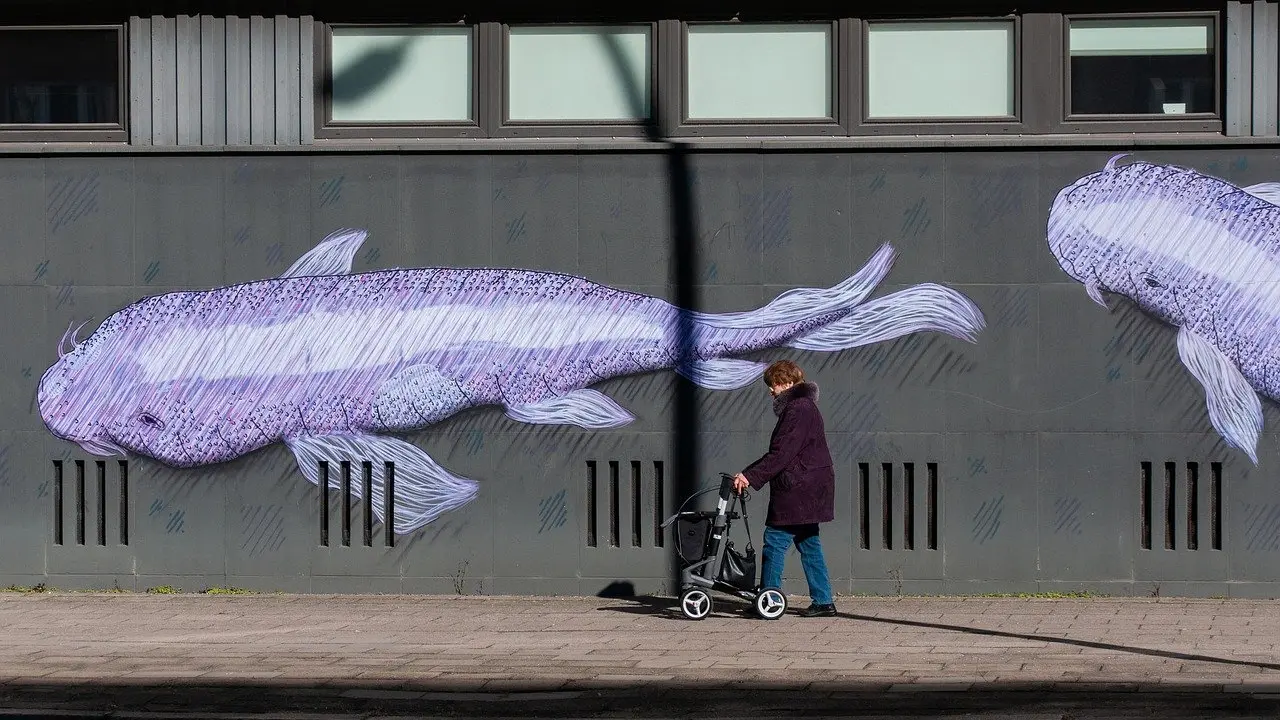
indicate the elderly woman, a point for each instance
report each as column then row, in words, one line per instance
column 801, row 477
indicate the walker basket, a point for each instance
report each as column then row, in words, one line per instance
column 693, row 532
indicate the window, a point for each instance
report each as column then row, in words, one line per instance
column 1150, row 66
column 62, row 83
column 744, row 71
column 607, row 74
column 579, row 74
column 949, row 69
column 401, row 75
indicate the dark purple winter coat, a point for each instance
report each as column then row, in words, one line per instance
column 798, row 467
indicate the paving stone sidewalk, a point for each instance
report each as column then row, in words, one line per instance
column 341, row 653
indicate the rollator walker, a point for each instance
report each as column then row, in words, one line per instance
column 709, row 562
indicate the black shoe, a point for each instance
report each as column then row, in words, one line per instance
column 819, row 611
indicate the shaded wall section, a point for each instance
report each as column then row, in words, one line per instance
column 1067, row 450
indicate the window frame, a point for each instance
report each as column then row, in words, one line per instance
column 1066, row 122
column 997, row 125
column 505, row 127
column 837, row 125
column 327, row 129
column 117, row 132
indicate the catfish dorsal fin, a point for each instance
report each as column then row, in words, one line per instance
column 332, row 256
column 1268, row 191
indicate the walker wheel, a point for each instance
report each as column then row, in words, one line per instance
column 695, row 603
column 770, row 604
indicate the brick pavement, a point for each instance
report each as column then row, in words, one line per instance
column 336, row 652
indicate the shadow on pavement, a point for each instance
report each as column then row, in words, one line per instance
column 1171, row 654
column 645, row 605
column 649, row 699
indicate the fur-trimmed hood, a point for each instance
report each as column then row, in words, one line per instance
column 795, row 392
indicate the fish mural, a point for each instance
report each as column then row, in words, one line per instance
column 334, row 364
column 1196, row 252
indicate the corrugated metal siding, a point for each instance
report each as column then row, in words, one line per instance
column 1266, row 25
column 206, row 80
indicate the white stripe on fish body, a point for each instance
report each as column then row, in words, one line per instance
column 366, row 338
column 1172, row 234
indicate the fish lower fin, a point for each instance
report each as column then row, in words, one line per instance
column 722, row 373
column 1234, row 408
column 584, row 408
column 919, row 308
column 332, row 256
column 802, row 303
column 421, row 489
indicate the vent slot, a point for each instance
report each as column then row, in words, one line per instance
column 102, row 502
column 886, row 489
column 1215, row 505
column 636, row 510
column 933, row 505
column 346, row 503
column 80, row 502
column 864, row 506
column 591, row 503
column 909, row 506
column 324, row 503
column 613, row 503
column 1145, row 490
column 124, row 502
column 1170, row 517
column 389, row 503
column 659, row 505
column 57, row 502
column 366, row 492
column 1193, row 489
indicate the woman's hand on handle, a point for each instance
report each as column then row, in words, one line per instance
column 740, row 482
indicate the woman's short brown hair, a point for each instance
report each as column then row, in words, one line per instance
column 783, row 372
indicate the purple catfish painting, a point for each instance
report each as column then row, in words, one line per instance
column 333, row 363
column 1196, row 252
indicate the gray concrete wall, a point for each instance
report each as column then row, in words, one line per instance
column 1037, row 435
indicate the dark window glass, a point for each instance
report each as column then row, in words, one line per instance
column 59, row 76
column 1142, row 67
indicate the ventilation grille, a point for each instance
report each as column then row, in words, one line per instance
column 342, row 486
column 71, row 484
column 917, row 525
column 606, row 483
column 1197, row 524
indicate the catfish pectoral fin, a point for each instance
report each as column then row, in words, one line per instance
column 1234, row 408
column 421, row 490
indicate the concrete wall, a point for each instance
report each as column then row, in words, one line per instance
column 1037, row 435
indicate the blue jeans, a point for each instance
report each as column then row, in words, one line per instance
column 777, row 541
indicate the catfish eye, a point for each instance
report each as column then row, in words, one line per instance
column 150, row 420
column 1151, row 281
